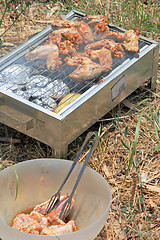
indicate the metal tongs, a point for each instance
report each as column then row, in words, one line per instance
column 56, row 197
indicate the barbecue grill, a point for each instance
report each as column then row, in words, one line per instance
column 22, row 109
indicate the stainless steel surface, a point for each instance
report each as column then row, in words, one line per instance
column 59, row 130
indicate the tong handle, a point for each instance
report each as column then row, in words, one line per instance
column 94, row 144
column 67, row 205
column 89, row 135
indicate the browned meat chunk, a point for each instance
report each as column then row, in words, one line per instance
column 129, row 39
column 41, row 52
column 115, row 48
column 104, row 56
column 86, row 69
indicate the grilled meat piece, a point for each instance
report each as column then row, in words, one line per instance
column 115, row 48
column 129, row 39
column 61, row 22
column 53, row 61
column 47, row 51
column 86, row 72
column 92, row 19
column 41, row 52
column 104, row 56
column 73, row 35
column 85, row 32
column 66, row 47
column 68, row 39
column 70, row 34
column 100, row 29
column 86, row 69
column 82, row 27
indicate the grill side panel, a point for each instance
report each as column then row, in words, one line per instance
column 31, row 121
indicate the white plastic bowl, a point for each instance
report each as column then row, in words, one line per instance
column 38, row 180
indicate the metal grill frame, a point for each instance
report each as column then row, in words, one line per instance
column 59, row 130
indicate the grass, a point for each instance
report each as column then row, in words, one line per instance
column 126, row 14
column 129, row 138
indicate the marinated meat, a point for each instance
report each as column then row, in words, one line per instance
column 60, row 229
column 25, row 223
column 37, row 223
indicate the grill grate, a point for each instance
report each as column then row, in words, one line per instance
column 63, row 86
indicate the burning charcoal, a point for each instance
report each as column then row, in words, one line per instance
column 16, row 73
column 60, row 89
column 37, row 81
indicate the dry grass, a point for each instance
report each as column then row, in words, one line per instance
column 135, row 208
column 134, row 214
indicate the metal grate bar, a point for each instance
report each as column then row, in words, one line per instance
column 62, row 75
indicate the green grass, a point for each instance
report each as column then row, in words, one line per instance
column 127, row 14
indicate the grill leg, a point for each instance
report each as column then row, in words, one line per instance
column 61, row 152
column 155, row 67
